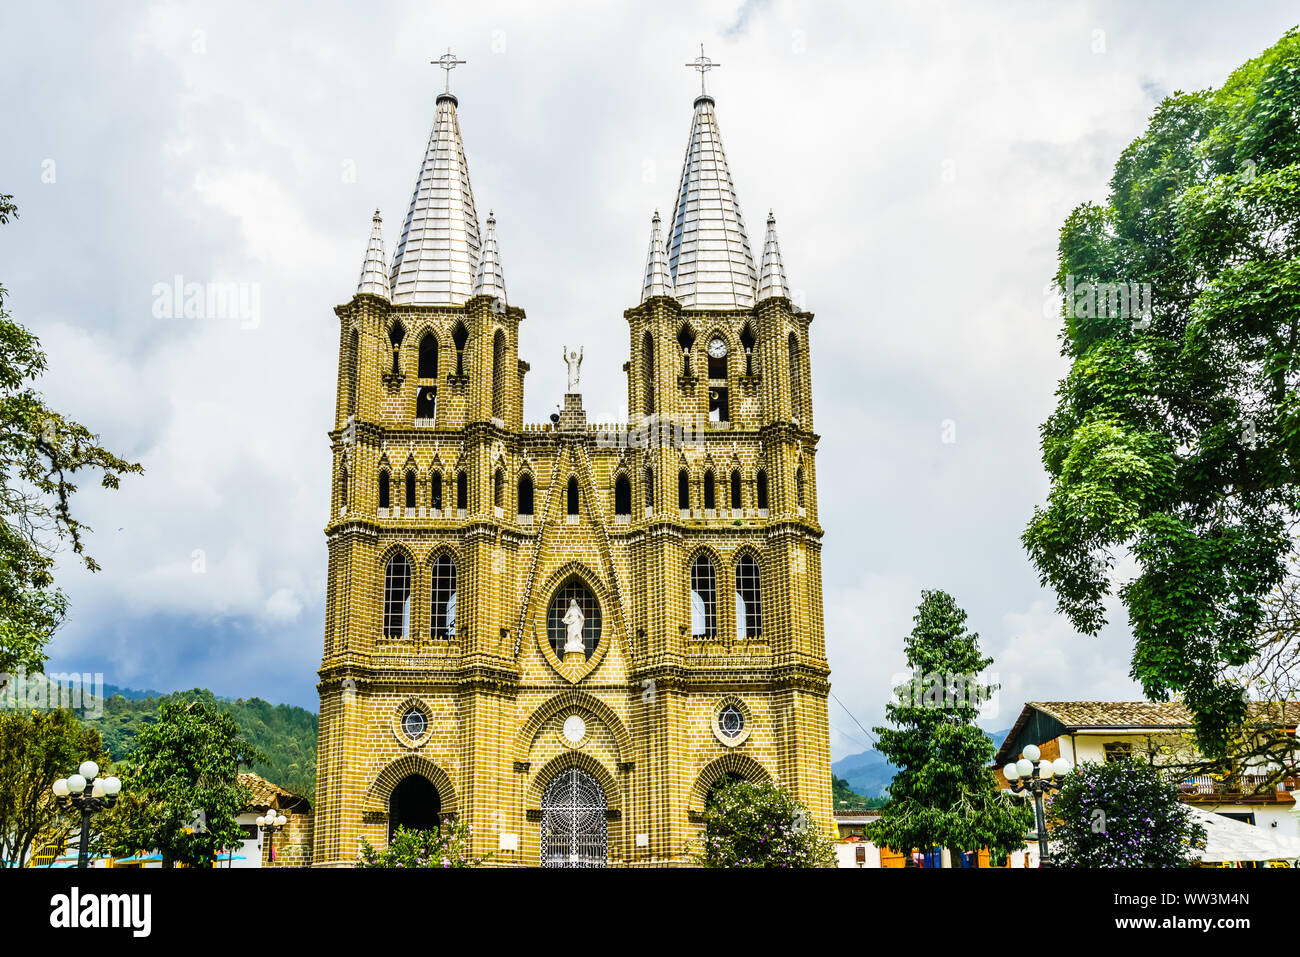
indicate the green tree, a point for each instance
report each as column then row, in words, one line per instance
column 181, row 794
column 36, row 749
column 944, row 793
column 760, row 825
column 1121, row 814
column 1176, row 435
column 446, row 847
column 41, row 452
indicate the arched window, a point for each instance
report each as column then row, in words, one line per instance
column 649, row 488
column 709, row 496
column 354, row 348
column 427, row 365
column 648, row 372
column 396, row 333
column 462, row 490
column 499, row 375
column 683, row 489
column 571, row 496
column 574, row 589
column 343, row 488
column 622, row 496
column 796, row 382
column 704, row 598
column 460, row 336
column 798, row 485
column 525, row 494
column 760, row 489
column 735, row 488
column 426, row 402
column 747, row 341
column 749, row 598
column 383, row 488
column 498, row 487
column 442, row 618
column 435, row 490
column 686, row 339
column 397, row 597
column 410, row 489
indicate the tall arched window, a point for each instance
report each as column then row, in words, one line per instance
column 749, row 598
column 462, row 490
column 354, row 348
column 499, row 375
column 343, row 488
column 709, row 496
column 410, row 489
column 383, row 488
column 442, row 618
column 686, row 339
column 798, row 485
column 796, row 381
column 648, row 372
column 747, row 341
column 571, row 497
column 622, row 496
column 435, row 490
column 704, row 598
column 649, row 488
column 760, row 489
column 683, row 489
column 397, row 596
column 396, row 333
column 525, row 494
column 427, row 365
column 460, row 336
column 735, row 488
column 498, row 487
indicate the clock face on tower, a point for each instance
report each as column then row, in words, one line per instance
column 717, row 348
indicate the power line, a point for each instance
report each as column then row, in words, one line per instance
column 855, row 720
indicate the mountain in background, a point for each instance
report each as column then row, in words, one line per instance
column 868, row 773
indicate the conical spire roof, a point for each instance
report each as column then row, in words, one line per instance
column 771, row 279
column 438, row 253
column 490, row 280
column 708, row 252
column 374, row 271
column 658, row 280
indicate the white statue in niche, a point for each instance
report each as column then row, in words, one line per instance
column 574, row 361
column 573, row 621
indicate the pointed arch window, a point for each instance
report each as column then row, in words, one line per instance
column 709, row 492
column 396, row 333
column 760, row 489
column 343, row 488
column 354, row 347
column 686, row 339
column 798, row 485
column 410, row 488
column 571, row 497
column 735, row 488
column 499, row 375
column 525, row 494
column 383, row 488
column 747, row 342
column 435, row 490
column 749, row 597
column 648, row 373
column 462, row 490
column 649, row 488
column 460, row 336
column 397, row 596
column 498, row 487
column 683, row 489
column 427, row 364
column 704, row 598
column 622, row 496
column 442, row 618
column 796, row 380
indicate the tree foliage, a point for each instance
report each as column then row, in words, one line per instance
column 1176, row 437
column 36, row 749
column 944, row 792
column 760, row 825
column 1121, row 814
column 446, row 847
column 41, row 453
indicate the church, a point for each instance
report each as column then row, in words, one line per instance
column 567, row 634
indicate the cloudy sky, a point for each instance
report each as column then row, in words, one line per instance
column 920, row 159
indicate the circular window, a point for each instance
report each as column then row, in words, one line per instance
column 414, row 724
column 573, row 616
column 730, row 721
column 575, row 729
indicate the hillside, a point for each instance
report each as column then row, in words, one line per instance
column 869, row 774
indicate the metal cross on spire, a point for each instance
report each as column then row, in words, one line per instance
column 448, row 62
column 704, row 65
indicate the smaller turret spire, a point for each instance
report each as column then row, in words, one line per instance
column 658, row 280
column 490, row 280
column 374, row 271
column 771, row 279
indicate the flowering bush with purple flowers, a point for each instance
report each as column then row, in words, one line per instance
column 446, row 847
column 759, row 825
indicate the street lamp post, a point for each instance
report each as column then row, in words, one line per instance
column 71, row 792
column 1035, row 776
column 270, row 823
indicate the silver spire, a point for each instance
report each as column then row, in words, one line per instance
column 374, row 272
column 658, row 281
column 771, row 281
column 708, row 252
column 490, row 280
column 438, row 253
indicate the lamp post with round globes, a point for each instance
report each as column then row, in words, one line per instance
column 1035, row 776
column 72, row 792
column 270, row 823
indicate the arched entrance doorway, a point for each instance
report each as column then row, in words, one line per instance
column 414, row 805
column 573, row 821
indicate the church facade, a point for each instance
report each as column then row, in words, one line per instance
column 566, row 634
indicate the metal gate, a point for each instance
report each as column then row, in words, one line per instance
column 573, row 821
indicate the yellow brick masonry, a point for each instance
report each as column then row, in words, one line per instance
column 495, row 694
